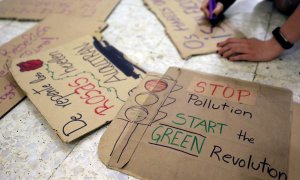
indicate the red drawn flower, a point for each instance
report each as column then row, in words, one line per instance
column 30, row 65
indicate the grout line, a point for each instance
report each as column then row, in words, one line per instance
column 267, row 29
column 55, row 169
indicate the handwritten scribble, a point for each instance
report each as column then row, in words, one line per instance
column 4, row 70
column 10, row 92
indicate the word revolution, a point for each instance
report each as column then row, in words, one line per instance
column 248, row 163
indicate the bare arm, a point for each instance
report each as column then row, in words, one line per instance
column 257, row 50
column 291, row 28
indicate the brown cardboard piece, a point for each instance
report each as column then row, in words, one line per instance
column 165, row 131
column 294, row 162
column 44, row 35
column 187, row 28
column 39, row 9
column 79, row 86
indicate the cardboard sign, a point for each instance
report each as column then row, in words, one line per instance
column 187, row 28
column 39, row 9
column 164, row 131
column 79, row 86
column 44, row 35
column 294, row 162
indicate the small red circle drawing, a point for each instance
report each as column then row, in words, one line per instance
column 156, row 85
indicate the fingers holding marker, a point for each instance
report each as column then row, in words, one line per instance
column 219, row 9
column 216, row 12
column 204, row 8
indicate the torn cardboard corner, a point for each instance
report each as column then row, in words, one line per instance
column 188, row 125
column 78, row 86
column 185, row 24
column 46, row 34
column 39, row 9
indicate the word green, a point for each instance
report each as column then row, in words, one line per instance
column 178, row 139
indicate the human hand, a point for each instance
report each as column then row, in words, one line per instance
column 235, row 49
column 216, row 12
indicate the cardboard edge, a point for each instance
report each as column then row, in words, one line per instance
column 106, row 160
column 65, row 140
column 235, row 79
column 182, row 54
column 112, row 10
column 165, row 30
column 8, row 111
column 186, row 56
column 294, row 150
column 101, row 156
column 18, row 18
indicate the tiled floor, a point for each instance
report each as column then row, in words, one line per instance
column 29, row 149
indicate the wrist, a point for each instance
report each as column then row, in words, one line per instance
column 275, row 46
column 281, row 38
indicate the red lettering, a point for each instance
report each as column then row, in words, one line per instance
column 96, row 96
column 89, row 86
column 77, row 83
column 215, row 88
column 221, row 90
column 225, row 90
column 92, row 96
column 87, row 94
column 104, row 108
column 243, row 93
column 200, row 86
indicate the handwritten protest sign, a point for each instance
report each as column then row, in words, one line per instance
column 187, row 28
column 79, row 86
column 170, row 129
column 39, row 9
column 44, row 35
